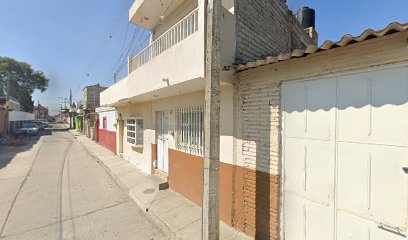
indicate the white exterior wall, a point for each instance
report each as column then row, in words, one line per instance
column 183, row 65
column 183, row 10
column 196, row 99
column 141, row 157
column 20, row 116
column 110, row 119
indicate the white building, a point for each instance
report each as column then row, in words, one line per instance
column 160, row 103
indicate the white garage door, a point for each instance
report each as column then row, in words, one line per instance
column 345, row 150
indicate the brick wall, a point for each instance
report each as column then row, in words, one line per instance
column 261, row 124
column 260, row 134
column 266, row 28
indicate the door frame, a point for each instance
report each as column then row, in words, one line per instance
column 159, row 129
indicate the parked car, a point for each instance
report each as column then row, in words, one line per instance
column 44, row 122
column 29, row 128
column 40, row 125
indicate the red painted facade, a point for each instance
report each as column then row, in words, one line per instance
column 107, row 139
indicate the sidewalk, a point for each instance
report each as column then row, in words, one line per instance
column 178, row 217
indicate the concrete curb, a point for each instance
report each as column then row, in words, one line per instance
column 154, row 218
column 152, row 214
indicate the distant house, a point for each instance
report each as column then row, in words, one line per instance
column 11, row 118
column 91, row 97
column 9, row 103
column 40, row 112
column 106, row 132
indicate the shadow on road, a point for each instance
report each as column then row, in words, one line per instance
column 20, row 144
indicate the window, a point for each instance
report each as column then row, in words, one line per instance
column 104, row 123
column 190, row 130
column 131, row 131
column 134, row 131
column 139, row 131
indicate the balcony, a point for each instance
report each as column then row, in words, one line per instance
column 173, row 64
column 183, row 29
column 146, row 13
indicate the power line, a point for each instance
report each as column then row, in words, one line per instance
column 124, row 61
column 131, row 42
column 110, row 32
column 113, row 26
column 124, row 40
column 131, row 47
column 135, row 50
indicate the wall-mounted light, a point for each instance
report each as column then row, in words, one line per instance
column 161, row 20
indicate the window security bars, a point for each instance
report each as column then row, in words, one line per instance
column 190, row 130
column 186, row 27
column 131, row 131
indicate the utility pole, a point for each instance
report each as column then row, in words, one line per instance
column 70, row 98
column 65, row 102
column 211, row 191
column 7, row 99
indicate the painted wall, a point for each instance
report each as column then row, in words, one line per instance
column 20, row 116
column 110, row 116
column 141, row 157
column 174, row 17
column 138, row 156
column 182, row 64
column 107, row 135
column 180, row 12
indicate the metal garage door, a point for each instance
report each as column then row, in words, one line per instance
column 345, row 144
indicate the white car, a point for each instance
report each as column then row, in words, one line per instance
column 29, row 128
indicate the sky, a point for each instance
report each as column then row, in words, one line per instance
column 82, row 42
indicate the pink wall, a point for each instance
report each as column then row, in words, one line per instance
column 107, row 139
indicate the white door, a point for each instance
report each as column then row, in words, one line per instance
column 162, row 141
column 345, row 151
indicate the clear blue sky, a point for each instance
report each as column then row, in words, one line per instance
column 70, row 40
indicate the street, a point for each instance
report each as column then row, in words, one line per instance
column 56, row 190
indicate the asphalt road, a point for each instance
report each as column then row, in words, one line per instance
column 55, row 190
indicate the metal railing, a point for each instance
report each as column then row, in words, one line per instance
column 189, row 129
column 181, row 30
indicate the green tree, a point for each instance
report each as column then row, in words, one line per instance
column 20, row 80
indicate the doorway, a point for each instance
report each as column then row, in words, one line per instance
column 162, row 120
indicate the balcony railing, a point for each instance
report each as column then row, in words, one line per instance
column 181, row 30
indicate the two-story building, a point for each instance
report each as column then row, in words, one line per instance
column 160, row 104
column 91, row 97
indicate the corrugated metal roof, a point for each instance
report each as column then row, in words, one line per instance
column 345, row 40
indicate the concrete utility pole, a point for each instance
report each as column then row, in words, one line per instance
column 65, row 102
column 210, row 218
column 70, row 98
